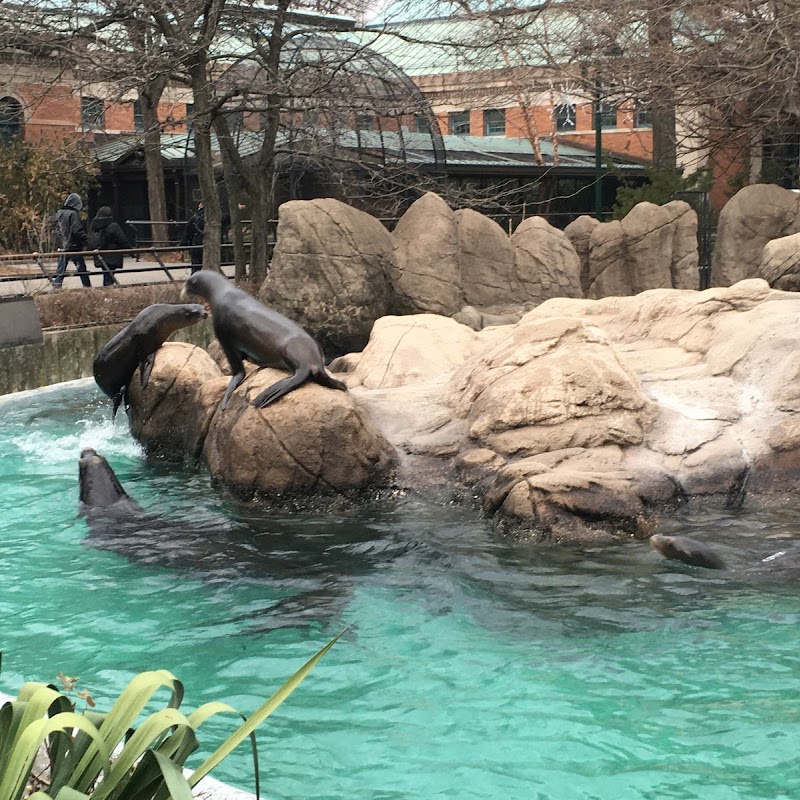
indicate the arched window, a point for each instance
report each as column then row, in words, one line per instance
column 10, row 119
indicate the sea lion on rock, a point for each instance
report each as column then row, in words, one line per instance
column 136, row 344
column 248, row 329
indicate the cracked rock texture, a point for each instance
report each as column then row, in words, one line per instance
column 780, row 263
column 653, row 247
column 588, row 418
column 330, row 272
column 315, row 441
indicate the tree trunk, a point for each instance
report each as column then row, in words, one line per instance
column 201, row 90
column 662, row 99
column 149, row 98
column 233, row 183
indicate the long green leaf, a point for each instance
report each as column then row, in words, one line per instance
column 63, row 763
column 253, row 722
column 141, row 741
column 177, row 784
column 121, row 718
column 16, row 774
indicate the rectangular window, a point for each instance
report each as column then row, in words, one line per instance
column 565, row 117
column 607, row 112
column 189, row 120
column 364, row 122
column 459, row 123
column 93, row 113
column 494, row 122
column 138, row 116
column 422, row 124
column 641, row 115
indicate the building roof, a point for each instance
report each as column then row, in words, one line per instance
column 491, row 153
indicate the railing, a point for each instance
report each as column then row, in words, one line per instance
column 44, row 262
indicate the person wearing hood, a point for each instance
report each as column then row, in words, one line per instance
column 193, row 237
column 70, row 238
column 105, row 234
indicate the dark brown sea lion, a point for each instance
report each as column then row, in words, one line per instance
column 247, row 329
column 689, row 551
column 136, row 344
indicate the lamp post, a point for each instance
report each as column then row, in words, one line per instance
column 598, row 151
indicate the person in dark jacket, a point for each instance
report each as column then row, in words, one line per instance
column 193, row 237
column 70, row 238
column 105, row 234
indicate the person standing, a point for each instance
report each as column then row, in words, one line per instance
column 105, row 234
column 70, row 238
column 193, row 237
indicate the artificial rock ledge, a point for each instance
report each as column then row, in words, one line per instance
column 581, row 422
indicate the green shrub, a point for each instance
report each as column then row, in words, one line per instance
column 103, row 756
column 663, row 183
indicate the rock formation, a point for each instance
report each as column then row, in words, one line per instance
column 780, row 263
column 754, row 216
column 330, row 272
column 653, row 247
column 580, row 423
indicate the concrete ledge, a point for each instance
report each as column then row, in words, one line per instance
column 65, row 355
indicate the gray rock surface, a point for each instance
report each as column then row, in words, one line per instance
column 754, row 216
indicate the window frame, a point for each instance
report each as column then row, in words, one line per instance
column 93, row 113
column 12, row 125
column 456, row 119
column 493, row 128
column 557, row 118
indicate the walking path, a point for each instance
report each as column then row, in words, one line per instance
column 32, row 281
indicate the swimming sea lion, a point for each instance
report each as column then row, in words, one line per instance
column 690, row 551
column 136, row 344
column 248, row 329
column 211, row 546
column 783, row 565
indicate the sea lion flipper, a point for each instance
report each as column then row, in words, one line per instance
column 324, row 379
column 117, row 401
column 235, row 381
column 281, row 388
column 145, row 368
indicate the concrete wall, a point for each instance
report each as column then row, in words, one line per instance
column 68, row 355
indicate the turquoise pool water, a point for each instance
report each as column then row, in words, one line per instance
column 472, row 668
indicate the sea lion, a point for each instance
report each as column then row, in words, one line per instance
column 689, row 551
column 785, row 564
column 136, row 344
column 214, row 547
column 248, row 329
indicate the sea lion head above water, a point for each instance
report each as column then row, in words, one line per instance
column 99, row 486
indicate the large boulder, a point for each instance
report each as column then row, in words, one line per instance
column 780, row 263
column 653, row 247
column 171, row 415
column 486, row 258
column 411, row 349
column 579, row 232
column 754, row 216
column 427, row 274
column 330, row 271
column 314, row 441
column 550, row 384
column 546, row 262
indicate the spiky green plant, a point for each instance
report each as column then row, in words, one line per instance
column 103, row 756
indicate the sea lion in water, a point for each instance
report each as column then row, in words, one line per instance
column 136, row 344
column 784, row 564
column 248, row 329
column 689, row 551
column 214, row 548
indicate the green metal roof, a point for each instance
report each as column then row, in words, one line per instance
column 489, row 152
